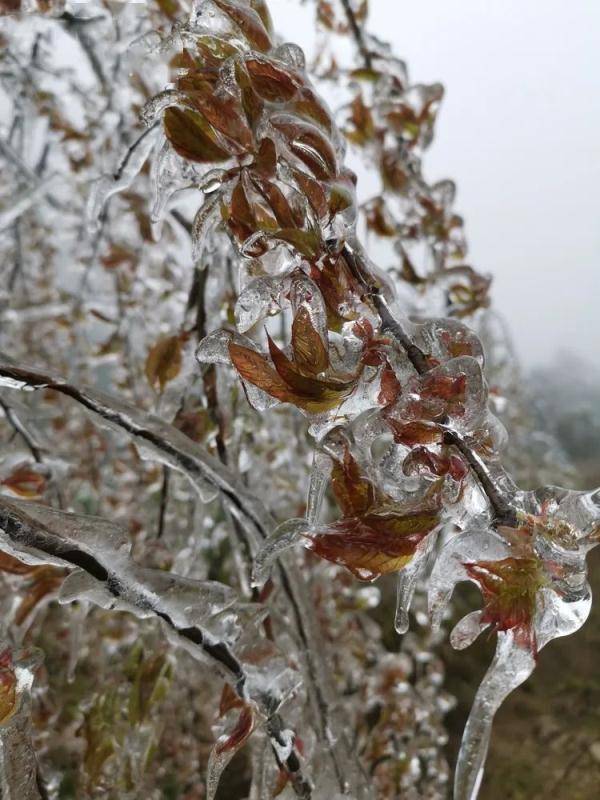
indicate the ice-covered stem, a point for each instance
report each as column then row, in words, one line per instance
column 16, row 424
column 504, row 514
column 27, row 534
column 168, row 444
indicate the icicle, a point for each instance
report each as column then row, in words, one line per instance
column 467, row 630
column 319, row 479
column 283, row 537
column 207, row 216
column 512, row 665
column 406, row 582
column 108, row 185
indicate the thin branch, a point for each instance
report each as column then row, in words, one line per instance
column 131, row 150
column 164, row 499
column 178, row 451
column 357, row 32
column 171, row 446
column 18, row 426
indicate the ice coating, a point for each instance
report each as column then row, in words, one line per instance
column 297, row 320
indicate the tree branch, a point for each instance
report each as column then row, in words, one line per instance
column 504, row 514
column 26, row 533
column 357, row 32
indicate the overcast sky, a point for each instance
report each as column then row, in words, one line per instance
column 519, row 132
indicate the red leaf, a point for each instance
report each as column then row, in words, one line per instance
column 390, row 387
column 240, row 733
column 308, row 143
column 192, row 137
column 411, row 433
column 509, row 588
column 249, row 22
column 25, row 481
column 354, row 494
column 310, row 353
column 376, row 543
column 271, row 81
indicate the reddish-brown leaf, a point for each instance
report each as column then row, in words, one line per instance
column 444, row 387
column 411, row 433
column 509, row 588
column 308, row 143
column 240, row 733
column 265, row 162
column 354, row 494
column 277, row 202
column 376, row 543
column 390, row 387
column 307, row 243
column 25, row 481
column 164, row 361
column 272, row 81
column 253, row 367
column 222, row 113
column 249, row 22
column 192, row 137
column 313, row 388
column 310, row 353
column 421, row 459
column 379, row 219
column 310, row 106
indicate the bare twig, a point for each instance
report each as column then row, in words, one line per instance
column 357, row 32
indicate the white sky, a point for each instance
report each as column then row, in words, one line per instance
column 519, row 132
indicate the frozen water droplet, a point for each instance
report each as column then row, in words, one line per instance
column 291, row 54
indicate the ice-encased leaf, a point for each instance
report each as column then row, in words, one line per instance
column 226, row 747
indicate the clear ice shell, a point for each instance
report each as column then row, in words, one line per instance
column 283, row 537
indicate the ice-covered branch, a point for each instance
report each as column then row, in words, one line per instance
column 164, row 441
column 105, row 574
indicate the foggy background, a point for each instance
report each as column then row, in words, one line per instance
column 519, row 132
